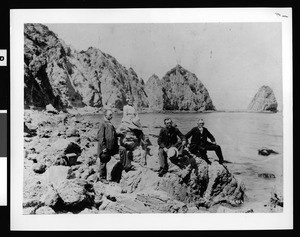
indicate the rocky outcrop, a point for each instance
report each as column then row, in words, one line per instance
column 59, row 75
column 54, row 185
column 154, row 92
column 179, row 89
column 264, row 100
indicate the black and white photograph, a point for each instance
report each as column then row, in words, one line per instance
column 181, row 117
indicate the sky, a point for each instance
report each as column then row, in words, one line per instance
column 232, row 60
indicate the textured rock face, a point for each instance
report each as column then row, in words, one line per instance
column 190, row 184
column 264, row 100
column 59, row 75
column 179, row 89
column 154, row 92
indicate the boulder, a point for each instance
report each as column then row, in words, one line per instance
column 58, row 174
column 266, row 176
column 191, row 180
column 51, row 109
column 50, row 198
column 179, row 89
column 264, row 100
column 45, row 210
column 266, row 151
column 40, row 167
column 75, row 192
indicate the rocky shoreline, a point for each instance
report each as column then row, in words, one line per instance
column 53, row 184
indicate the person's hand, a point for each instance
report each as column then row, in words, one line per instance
column 165, row 149
column 183, row 143
column 104, row 150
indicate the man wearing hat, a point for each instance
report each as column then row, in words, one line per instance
column 168, row 145
column 199, row 144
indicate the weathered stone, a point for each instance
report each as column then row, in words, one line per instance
column 72, row 132
column 58, row 174
column 40, row 168
column 50, row 198
column 74, row 192
column 51, row 109
column 266, row 151
column 267, row 176
column 264, row 100
column 45, row 210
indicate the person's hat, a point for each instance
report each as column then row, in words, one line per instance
column 200, row 121
column 172, row 152
column 129, row 97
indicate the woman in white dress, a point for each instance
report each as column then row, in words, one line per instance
column 129, row 112
column 132, row 122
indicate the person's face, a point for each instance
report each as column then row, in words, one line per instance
column 108, row 115
column 200, row 124
column 130, row 102
column 168, row 123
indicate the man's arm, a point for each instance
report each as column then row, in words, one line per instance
column 180, row 135
column 210, row 136
column 101, row 139
column 160, row 139
column 189, row 134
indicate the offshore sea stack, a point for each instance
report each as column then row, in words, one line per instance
column 179, row 89
column 59, row 75
column 264, row 100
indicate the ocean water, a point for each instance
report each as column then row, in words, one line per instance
column 240, row 135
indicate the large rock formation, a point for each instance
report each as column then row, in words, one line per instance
column 179, row 89
column 191, row 185
column 59, row 75
column 264, row 100
column 184, row 91
column 154, row 92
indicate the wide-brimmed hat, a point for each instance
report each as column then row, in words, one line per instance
column 172, row 152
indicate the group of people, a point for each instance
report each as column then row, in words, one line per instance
column 170, row 140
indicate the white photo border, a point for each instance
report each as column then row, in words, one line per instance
column 198, row 221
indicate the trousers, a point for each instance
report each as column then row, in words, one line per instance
column 202, row 150
column 106, row 157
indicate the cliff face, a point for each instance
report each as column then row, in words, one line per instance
column 264, row 100
column 154, row 91
column 183, row 91
column 57, row 74
column 179, row 89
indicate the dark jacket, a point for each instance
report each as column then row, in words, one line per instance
column 169, row 137
column 198, row 138
column 107, row 138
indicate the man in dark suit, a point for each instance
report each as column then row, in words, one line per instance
column 168, row 137
column 108, row 146
column 200, row 145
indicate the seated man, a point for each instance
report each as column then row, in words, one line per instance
column 199, row 144
column 168, row 137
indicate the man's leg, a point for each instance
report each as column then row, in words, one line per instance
column 203, row 154
column 104, row 158
column 162, row 158
column 163, row 162
column 124, row 158
column 217, row 149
